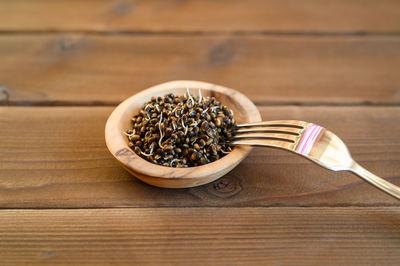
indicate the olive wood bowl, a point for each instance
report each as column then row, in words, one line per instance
column 168, row 177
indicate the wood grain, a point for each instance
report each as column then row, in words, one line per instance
column 197, row 16
column 85, row 70
column 274, row 208
column 199, row 236
column 55, row 157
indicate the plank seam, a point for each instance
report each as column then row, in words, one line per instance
column 207, row 33
column 215, row 207
column 7, row 102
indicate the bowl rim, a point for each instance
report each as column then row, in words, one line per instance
column 135, row 164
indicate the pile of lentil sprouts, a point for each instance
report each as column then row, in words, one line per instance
column 182, row 131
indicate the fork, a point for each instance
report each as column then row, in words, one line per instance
column 311, row 141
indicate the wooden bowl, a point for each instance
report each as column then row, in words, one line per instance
column 120, row 121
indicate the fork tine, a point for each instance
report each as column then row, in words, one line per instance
column 266, row 135
column 284, row 130
column 265, row 142
column 277, row 123
column 280, row 133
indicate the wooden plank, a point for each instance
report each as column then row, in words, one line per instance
column 199, row 236
column 208, row 15
column 55, row 157
column 79, row 69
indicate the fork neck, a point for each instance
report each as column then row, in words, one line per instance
column 380, row 183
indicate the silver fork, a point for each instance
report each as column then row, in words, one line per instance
column 311, row 141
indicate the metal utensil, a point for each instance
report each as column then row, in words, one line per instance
column 311, row 141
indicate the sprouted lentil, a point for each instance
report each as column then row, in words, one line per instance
column 182, row 131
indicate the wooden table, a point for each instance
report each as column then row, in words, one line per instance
column 66, row 64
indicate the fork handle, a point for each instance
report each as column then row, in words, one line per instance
column 378, row 182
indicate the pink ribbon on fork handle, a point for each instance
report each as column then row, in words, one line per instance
column 308, row 139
